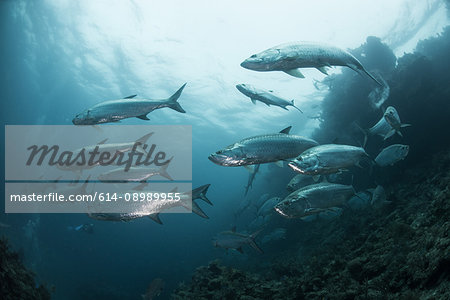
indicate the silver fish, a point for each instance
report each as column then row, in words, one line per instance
column 290, row 57
column 152, row 209
column 393, row 119
column 327, row 159
column 235, row 240
column 265, row 96
column 262, row 149
column 392, row 154
column 135, row 174
column 314, row 199
column 274, row 235
column 379, row 197
column 299, row 181
column 128, row 107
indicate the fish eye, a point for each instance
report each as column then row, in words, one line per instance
column 253, row 56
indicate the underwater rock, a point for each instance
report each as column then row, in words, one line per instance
column 16, row 282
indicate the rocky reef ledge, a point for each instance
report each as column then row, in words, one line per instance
column 16, row 282
column 401, row 251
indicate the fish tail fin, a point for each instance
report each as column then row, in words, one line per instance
column 198, row 211
column 252, row 242
column 173, row 104
column 292, row 102
column 200, row 193
column 163, row 170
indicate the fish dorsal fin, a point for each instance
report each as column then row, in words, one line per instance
column 270, row 91
column 143, row 117
column 140, row 186
column 295, row 73
column 253, row 100
column 130, row 97
column 286, row 130
column 174, row 190
column 233, row 229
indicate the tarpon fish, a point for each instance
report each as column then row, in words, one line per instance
column 251, row 178
column 235, row 240
column 274, row 235
column 128, row 107
column 314, row 199
column 393, row 119
column 152, row 209
column 290, row 57
column 327, row 159
column 379, row 197
column 262, row 149
column 265, row 96
column 135, row 174
column 299, row 181
column 392, row 154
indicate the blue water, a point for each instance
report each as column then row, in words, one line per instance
column 60, row 57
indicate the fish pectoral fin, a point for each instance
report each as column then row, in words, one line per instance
column 253, row 100
column 102, row 142
column 156, row 218
column 389, row 134
column 249, row 168
column 399, row 133
column 143, row 117
column 323, row 70
column 295, row 73
column 130, row 97
column 240, row 250
column 316, row 178
column 405, row 125
column 267, row 104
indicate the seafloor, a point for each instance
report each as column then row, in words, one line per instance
column 401, row 251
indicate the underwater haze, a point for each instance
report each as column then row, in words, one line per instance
column 386, row 239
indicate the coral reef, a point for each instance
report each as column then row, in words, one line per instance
column 16, row 282
column 401, row 251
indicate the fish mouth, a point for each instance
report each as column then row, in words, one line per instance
column 281, row 212
column 218, row 159
column 294, row 166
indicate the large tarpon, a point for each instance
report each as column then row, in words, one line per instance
column 327, row 159
column 290, row 57
column 128, row 107
column 314, row 199
column 265, row 96
column 263, row 149
column 152, row 209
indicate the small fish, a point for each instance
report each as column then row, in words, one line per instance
column 299, row 181
column 128, row 107
column 154, row 289
column 235, row 240
column 393, row 119
column 290, row 57
column 327, row 159
column 265, row 96
column 262, row 149
column 379, row 197
column 392, row 154
column 135, row 174
column 87, row 227
column 275, row 235
column 3, row 225
column 314, row 199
